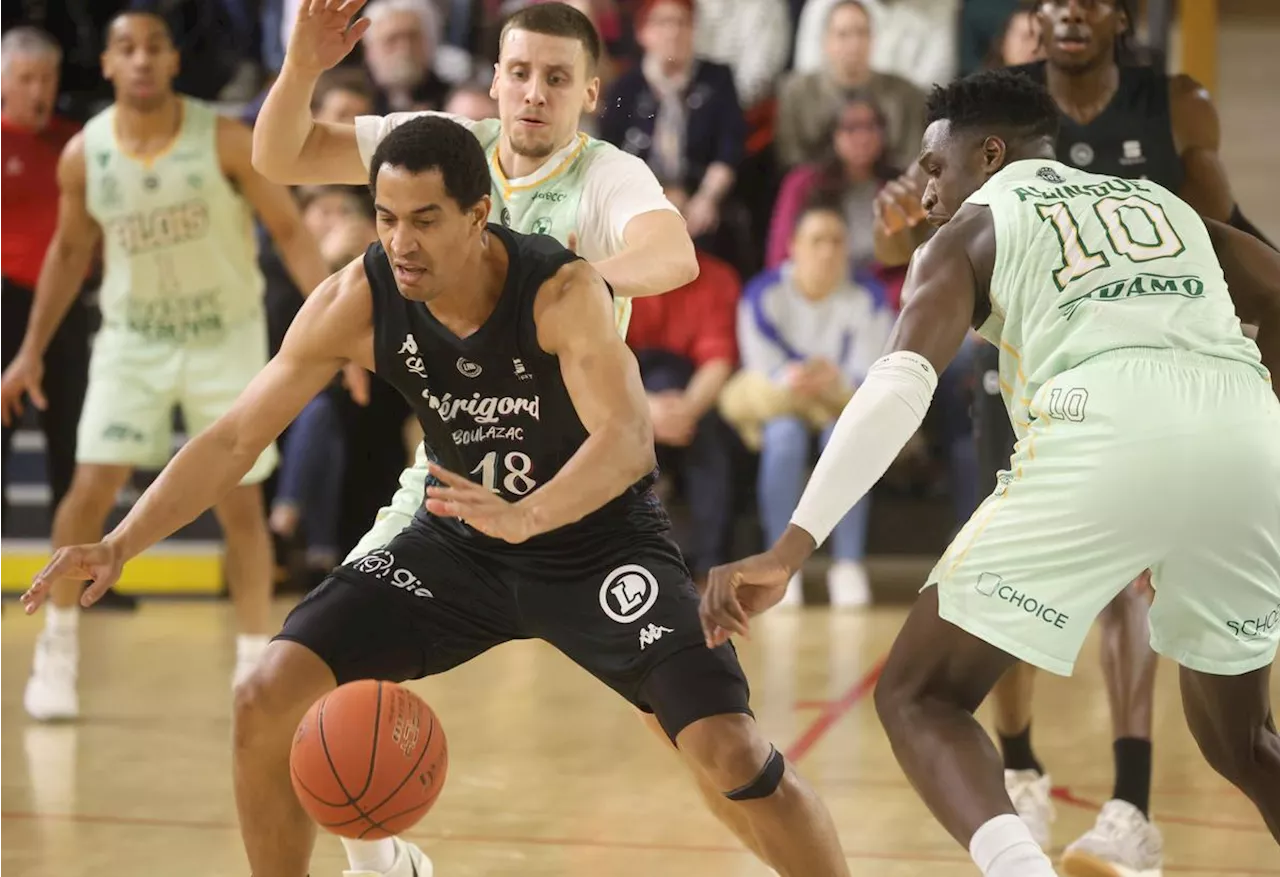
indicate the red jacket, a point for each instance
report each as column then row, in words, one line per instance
column 697, row 321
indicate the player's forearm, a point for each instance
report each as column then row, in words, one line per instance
column 659, row 263
column 605, row 465
column 873, row 428
column 206, row 469
column 301, row 256
column 61, row 275
column 284, row 128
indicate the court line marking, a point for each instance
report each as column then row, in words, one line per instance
column 833, row 711
column 1064, row 794
column 445, row 837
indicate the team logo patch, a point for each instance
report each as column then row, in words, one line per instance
column 1048, row 173
column 541, row 226
column 468, row 368
column 1081, row 154
column 505, row 217
column 628, row 593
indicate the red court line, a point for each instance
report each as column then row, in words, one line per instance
column 1064, row 794
column 832, row 712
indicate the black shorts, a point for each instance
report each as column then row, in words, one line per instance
column 425, row 604
column 992, row 432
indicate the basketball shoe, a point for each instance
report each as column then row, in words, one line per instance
column 1029, row 792
column 410, row 862
column 51, row 691
column 1122, row 843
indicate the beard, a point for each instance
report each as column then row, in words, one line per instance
column 525, row 146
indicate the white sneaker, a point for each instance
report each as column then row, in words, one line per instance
column 410, row 862
column 51, row 691
column 1029, row 792
column 848, row 585
column 794, row 597
column 1122, row 843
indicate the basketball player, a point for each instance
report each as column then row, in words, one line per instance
column 545, row 178
column 540, row 519
column 168, row 187
column 1129, row 121
column 1149, row 438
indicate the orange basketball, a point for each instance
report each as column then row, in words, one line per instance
column 368, row 760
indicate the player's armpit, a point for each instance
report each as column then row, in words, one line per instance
column 574, row 316
column 322, row 337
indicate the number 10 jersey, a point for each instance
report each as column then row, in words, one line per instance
column 1086, row 264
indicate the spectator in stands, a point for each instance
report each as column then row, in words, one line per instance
column 807, row 336
column 342, row 94
column 916, row 39
column 685, row 343
column 400, row 53
column 472, row 101
column 678, row 113
column 809, row 102
column 983, row 23
column 853, row 170
column 33, row 138
column 753, row 37
column 1017, row 43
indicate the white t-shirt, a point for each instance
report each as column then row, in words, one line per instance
column 617, row 186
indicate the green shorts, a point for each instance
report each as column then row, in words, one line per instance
column 134, row 385
column 1135, row 459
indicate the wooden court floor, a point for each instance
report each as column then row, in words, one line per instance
column 550, row 774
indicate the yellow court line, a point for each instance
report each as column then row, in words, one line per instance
column 147, row 574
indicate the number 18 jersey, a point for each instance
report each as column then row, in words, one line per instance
column 1086, row 264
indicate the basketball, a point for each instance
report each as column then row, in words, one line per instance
column 368, row 760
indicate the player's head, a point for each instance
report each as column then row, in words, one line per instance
column 545, row 78
column 977, row 125
column 1082, row 34
column 430, row 185
column 140, row 59
column 29, row 78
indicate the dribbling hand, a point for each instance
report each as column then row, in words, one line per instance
column 321, row 36
column 739, row 590
column 100, row 563
column 478, row 507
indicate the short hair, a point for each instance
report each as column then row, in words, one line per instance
column 28, row 41
column 148, row 10
column 841, row 4
column 436, row 143
column 820, row 201
column 998, row 100
column 556, row 20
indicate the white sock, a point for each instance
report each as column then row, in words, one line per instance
column 371, row 855
column 1003, row 847
column 250, row 646
column 61, row 621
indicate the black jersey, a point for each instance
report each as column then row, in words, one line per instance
column 493, row 406
column 1131, row 138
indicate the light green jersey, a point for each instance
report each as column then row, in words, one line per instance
column 1086, row 264
column 180, row 259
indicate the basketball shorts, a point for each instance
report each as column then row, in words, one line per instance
column 134, row 385
column 1136, row 459
column 427, row 603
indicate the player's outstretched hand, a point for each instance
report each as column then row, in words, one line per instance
column 323, row 34
column 477, row 506
column 739, row 590
column 21, row 378
column 99, row 563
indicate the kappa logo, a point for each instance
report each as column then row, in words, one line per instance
column 628, row 593
column 652, row 634
column 413, row 362
column 468, row 368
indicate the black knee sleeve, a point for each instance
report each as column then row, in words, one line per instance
column 695, row 683
column 765, row 782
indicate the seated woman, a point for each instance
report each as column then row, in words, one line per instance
column 806, row 335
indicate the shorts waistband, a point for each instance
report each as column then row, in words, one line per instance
column 1183, row 358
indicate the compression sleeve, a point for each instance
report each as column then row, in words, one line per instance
column 878, row 421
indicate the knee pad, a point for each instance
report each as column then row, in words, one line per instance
column 766, row 782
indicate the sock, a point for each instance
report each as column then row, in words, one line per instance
column 1017, row 752
column 371, row 855
column 1002, row 847
column 61, row 621
column 250, row 646
column 1133, row 772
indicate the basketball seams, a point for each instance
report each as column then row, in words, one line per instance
column 413, row 770
column 324, row 746
column 373, row 744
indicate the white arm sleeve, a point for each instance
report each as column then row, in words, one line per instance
column 371, row 129
column 878, row 421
